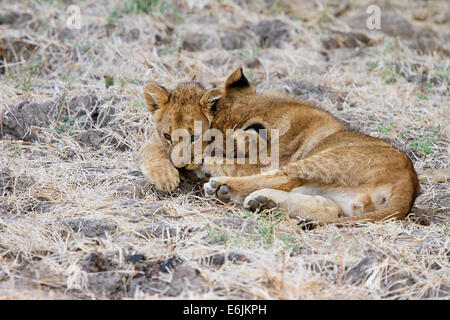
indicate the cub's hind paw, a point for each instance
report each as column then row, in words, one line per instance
column 258, row 202
column 222, row 192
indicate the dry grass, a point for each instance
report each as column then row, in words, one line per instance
column 73, row 208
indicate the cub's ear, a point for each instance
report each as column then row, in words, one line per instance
column 210, row 98
column 237, row 81
column 155, row 96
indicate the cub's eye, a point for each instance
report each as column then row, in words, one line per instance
column 195, row 137
column 167, row 136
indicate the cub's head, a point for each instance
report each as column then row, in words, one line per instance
column 180, row 114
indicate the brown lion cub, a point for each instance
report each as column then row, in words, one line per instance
column 171, row 110
column 327, row 173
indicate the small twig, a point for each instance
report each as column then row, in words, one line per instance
column 63, row 103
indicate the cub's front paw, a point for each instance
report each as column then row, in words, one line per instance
column 164, row 177
column 213, row 188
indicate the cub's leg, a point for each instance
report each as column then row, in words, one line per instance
column 353, row 169
column 214, row 169
column 156, row 166
column 237, row 188
column 306, row 207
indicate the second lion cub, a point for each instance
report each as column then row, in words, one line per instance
column 328, row 173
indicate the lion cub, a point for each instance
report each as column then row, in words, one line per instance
column 327, row 173
column 171, row 110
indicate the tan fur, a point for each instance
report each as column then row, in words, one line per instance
column 327, row 172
